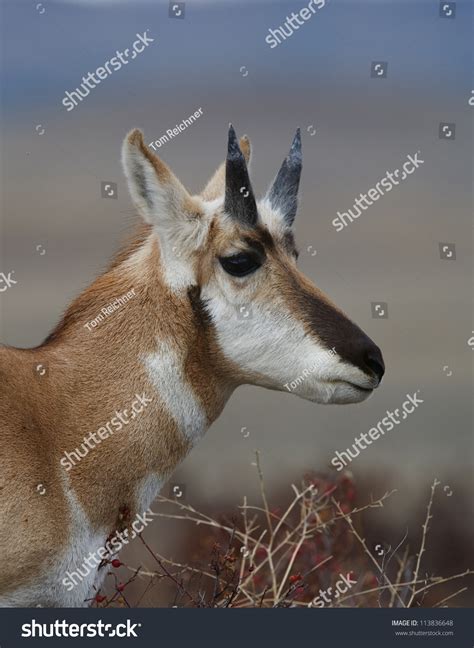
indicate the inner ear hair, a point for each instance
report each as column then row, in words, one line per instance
column 156, row 191
column 163, row 172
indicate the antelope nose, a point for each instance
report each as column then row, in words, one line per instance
column 374, row 361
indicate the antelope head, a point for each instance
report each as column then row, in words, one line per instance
column 270, row 324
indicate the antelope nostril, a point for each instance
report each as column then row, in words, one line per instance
column 374, row 361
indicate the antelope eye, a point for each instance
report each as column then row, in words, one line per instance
column 239, row 265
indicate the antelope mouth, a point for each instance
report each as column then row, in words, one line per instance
column 368, row 390
column 339, row 392
column 348, row 383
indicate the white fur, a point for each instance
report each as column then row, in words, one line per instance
column 274, row 346
column 166, row 370
column 273, row 219
column 48, row 590
column 152, row 198
column 178, row 273
column 271, row 345
column 134, row 263
column 161, row 203
column 178, row 243
column 148, row 490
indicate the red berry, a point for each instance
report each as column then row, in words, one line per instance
column 116, row 562
column 350, row 494
column 120, row 587
column 294, row 578
column 99, row 598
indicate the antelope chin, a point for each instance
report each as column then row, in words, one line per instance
column 336, row 393
column 345, row 392
column 352, row 393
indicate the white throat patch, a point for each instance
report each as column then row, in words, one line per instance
column 166, row 370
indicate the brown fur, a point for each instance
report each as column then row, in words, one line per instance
column 92, row 373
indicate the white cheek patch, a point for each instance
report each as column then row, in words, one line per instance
column 259, row 340
column 272, row 343
column 166, row 370
column 269, row 341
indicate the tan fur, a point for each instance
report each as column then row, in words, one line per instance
column 92, row 373
column 135, row 138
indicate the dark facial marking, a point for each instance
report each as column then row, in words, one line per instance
column 331, row 326
column 260, row 239
column 201, row 316
column 256, row 248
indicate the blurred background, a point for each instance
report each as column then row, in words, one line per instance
column 58, row 232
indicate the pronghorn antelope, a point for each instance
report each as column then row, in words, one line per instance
column 196, row 263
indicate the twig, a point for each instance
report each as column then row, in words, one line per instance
column 423, row 540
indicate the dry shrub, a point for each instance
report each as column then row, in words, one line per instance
column 287, row 557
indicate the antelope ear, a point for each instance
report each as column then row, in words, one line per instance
column 156, row 191
column 216, row 185
column 283, row 194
